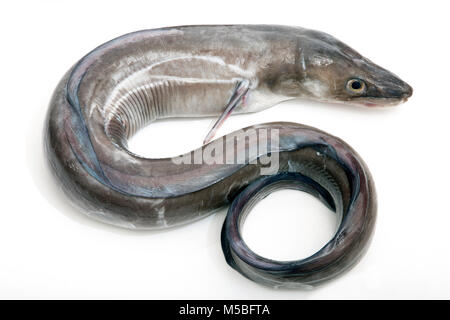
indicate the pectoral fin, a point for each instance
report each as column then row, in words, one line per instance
column 240, row 91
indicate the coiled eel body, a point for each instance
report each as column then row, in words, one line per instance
column 193, row 71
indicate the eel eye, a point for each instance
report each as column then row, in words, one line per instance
column 356, row 86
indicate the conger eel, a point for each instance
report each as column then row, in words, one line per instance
column 197, row 71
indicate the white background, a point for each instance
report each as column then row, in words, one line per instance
column 49, row 250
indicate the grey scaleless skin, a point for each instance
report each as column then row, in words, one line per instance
column 198, row 71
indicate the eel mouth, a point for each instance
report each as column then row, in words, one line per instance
column 380, row 102
column 386, row 97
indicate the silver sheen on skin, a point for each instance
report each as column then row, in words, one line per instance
column 198, row 71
